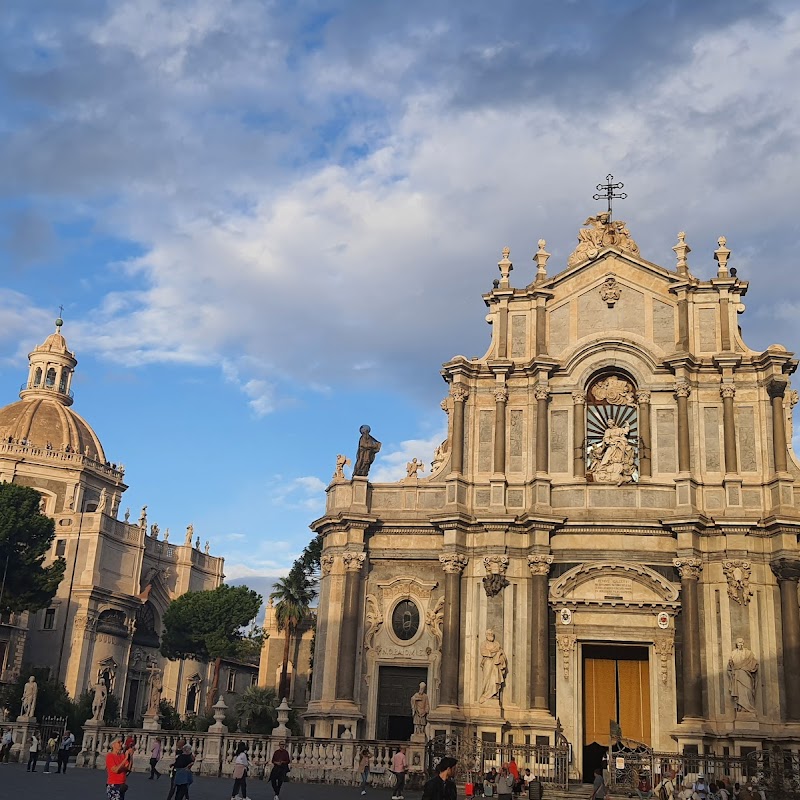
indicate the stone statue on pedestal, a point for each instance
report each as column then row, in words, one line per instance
column 420, row 708
column 99, row 701
column 29, row 695
column 368, row 448
column 743, row 677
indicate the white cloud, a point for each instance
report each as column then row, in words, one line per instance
column 391, row 466
column 305, row 492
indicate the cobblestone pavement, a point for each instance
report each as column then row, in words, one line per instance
column 86, row 784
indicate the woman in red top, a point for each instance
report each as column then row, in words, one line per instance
column 117, row 768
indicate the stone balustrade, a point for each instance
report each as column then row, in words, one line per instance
column 312, row 760
column 117, row 472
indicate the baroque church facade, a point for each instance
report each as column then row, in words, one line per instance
column 609, row 533
column 104, row 623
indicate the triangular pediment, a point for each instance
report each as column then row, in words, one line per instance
column 613, row 259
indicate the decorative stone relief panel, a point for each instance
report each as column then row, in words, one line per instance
column 737, row 573
column 495, row 579
column 612, row 584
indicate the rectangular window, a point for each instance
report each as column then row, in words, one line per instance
column 61, row 547
column 232, row 680
column 49, row 619
column 254, row 679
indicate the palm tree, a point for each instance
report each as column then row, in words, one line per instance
column 256, row 708
column 292, row 597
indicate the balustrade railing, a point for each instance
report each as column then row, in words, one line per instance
column 328, row 760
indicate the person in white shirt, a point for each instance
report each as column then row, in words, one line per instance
column 33, row 753
column 5, row 750
column 241, row 765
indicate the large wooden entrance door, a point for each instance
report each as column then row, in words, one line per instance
column 616, row 688
column 396, row 685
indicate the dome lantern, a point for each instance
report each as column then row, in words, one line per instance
column 51, row 367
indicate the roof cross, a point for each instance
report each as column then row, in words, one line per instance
column 607, row 190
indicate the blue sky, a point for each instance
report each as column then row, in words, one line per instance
column 269, row 223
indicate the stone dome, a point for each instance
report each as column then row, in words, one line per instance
column 40, row 420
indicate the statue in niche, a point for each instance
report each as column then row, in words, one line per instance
column 613, row 460
column 420, row 708
column 99, row 700
column 743, row 677
column 494, row 666
column 29, row 695
column 368, row 448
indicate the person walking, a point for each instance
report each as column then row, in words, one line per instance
column 241, row 767
column 183, row 773
column 280, row 769
column 50, row 750
column 5, row 749
column 363, row 769
column 155, row 757
column 399, row 768
column 33, row 753
column 64, row 748
column 117, row 769
column 179, row 745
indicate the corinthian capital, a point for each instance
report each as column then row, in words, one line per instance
column 501, row 394
column 682, row 388
column 326, row 564
column 539, row 565
column 453, row 563
column 786, row 569
column 541, row 392
column 727, row 390
column 643, row 397
column 459, row 392
column 579, row 398
column 353, row 561
column 689, row 568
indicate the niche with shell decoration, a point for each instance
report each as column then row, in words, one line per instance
column 612, row 430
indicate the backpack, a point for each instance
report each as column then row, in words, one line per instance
column 663, row 792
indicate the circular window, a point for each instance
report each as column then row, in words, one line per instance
column 405, row 620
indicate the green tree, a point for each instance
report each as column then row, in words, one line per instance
column 208, row 626
column 170, row 718
column 255, row 710
column 292, row 596
column 25, row 540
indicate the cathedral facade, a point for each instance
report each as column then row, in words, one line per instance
column 609, row 533
column 104, row 623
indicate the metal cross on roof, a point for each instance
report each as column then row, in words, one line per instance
column 607, row 190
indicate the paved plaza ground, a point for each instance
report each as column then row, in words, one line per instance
column 87, row 784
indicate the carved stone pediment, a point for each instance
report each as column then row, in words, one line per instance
column 614, row 584
column 406, row 587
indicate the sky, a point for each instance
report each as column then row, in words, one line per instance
column 270, row 223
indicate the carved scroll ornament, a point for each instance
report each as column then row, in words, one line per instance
column 737, row 573
column 495, row 580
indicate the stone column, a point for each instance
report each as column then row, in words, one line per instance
column 776, row 390
column 690, row 569
column 459, row 393
column 539, row 687
column 645, row 441
column 542, row 393
column 348, row 637
column 729, row 429
column 500, row 400
column 579, row 428
column 453, row 565
column 682, row 390
column 788, row 573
